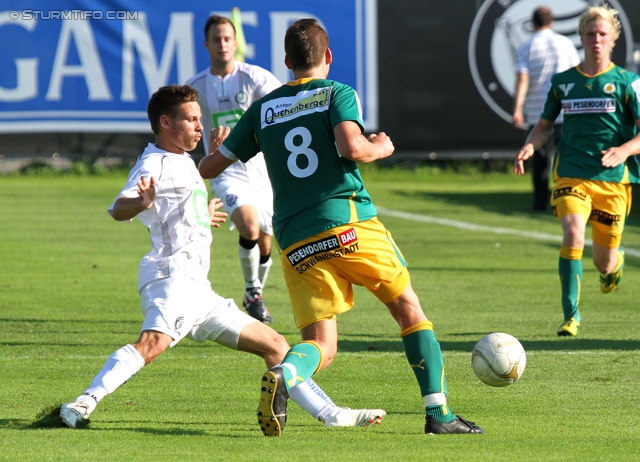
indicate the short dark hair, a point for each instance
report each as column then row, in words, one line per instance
column 541, row 17
column 215, row 19
column 305, row 43
column 166, row 101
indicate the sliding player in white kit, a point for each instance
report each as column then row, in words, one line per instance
column 227, row 89
column 169, row 196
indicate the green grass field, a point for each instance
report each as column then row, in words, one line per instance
column 68, row 299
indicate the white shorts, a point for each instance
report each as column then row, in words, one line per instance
column 234, row 193
column 182, row 307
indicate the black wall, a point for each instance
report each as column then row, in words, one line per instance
column 428, row 100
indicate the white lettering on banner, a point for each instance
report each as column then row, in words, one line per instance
column 179, row 41
column 90, row 67
column 588, row 105
column 62, row 72
column 26, row 68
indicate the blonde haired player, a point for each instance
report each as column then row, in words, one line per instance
column 593, row 165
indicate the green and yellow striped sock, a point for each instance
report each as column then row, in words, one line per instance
column 301, row 362
column 570, row 271
column 425, row 358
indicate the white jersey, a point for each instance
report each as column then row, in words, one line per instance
column 178, row 221
column 544, row 54
column 223, row 100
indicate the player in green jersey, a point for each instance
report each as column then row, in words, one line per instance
column 594, row 164
column 310, row 131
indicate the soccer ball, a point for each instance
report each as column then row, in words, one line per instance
column 498, row 359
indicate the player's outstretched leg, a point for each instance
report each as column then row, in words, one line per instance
column 272, row 409
column 118, row 368
column 609, row 282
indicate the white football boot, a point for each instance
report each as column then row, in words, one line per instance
column 355, row 418
column 75, row 414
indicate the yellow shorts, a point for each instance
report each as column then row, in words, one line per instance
column 319, row 271
column 604, row 203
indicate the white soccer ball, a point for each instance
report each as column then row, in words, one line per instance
column 498, row 359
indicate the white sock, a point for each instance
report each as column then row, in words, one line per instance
column 118, row 368
column 250, row 263
column 263, row 271
column 310, row 397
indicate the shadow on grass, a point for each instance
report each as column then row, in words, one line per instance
column 49, row 418
column 560, row 344
column 70, row 321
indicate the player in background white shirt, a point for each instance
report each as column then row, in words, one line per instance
column 168, row 194
column 544, row 54
column 227, row 88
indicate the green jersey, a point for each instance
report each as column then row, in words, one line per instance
column 599, row 112
column 314, row 187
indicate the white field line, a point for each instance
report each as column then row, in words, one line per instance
column 486, row 229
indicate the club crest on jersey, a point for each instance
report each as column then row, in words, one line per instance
column 241, row 97
column 501, row 26
column 231, row 199
column 609, row 88
column 566, row 88
column 179, row 323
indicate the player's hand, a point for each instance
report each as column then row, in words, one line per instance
column 147, row 191
column 383, row 142
column 518, row 119
column 216, row 217
column 613, row 157
column 216, row 136
column 523, row 154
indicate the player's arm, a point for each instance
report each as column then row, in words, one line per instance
column 126, row 208
column 353, row 145
column 213, row 165
column 522, row 85
column 615, row 156
column 537, row 138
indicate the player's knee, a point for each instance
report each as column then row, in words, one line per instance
column 247, row 243
column 151, row 345
column 278, row 346
column 573, row 237
column 328, row 353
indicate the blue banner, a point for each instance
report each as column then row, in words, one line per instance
column 90, row 66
